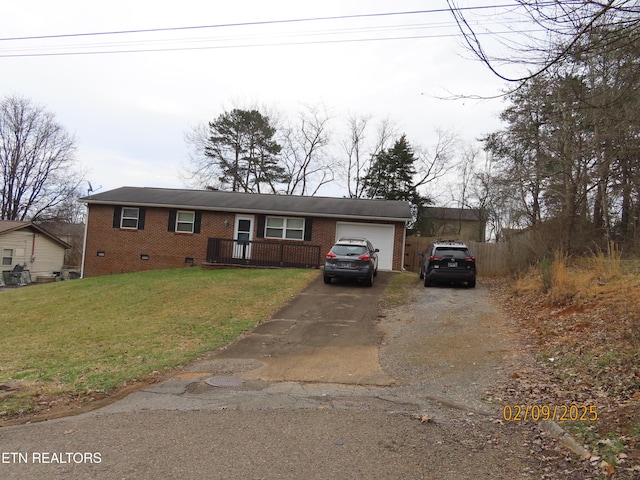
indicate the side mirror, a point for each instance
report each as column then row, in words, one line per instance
column 377, row 250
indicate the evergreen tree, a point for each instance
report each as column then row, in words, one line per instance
column 242, row 145
column 392, row 173
column 392, row 177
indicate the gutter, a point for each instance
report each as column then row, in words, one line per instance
column 244, row 210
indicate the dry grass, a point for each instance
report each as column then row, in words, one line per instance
column 584, row 319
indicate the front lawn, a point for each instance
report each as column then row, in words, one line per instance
column 82, row 338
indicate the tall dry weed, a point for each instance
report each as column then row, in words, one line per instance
column 529, row 283
column 564, row 280
column 606, row 266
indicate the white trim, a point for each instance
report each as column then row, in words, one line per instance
column 84, row 243
column 285, row 228
column 240, row 250
column 137, row 218
column 193, row 222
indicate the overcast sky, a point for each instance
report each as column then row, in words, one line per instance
column 130, row 111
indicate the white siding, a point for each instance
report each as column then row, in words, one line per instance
column 48, row 256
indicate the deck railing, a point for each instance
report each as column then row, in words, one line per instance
column 263, row 253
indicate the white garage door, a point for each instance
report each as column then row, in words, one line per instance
column 381, row 236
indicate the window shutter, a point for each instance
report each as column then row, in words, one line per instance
column 197, row 222
column 172, row 220
column 262, row 221
column 308, row 222
column 117, row 213
column 141, row 215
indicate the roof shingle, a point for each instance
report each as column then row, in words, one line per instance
column 373, row 209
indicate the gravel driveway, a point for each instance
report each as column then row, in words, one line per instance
column 332, row 388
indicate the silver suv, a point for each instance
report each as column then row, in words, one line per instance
column 448, row 261
column 351, row 257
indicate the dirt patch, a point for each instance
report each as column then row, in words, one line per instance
column 52, row 407
column 358, row 365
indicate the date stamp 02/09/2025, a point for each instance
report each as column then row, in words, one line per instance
column 558, row 413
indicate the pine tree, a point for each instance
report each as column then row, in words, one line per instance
column 242, row 144
column 392, row 173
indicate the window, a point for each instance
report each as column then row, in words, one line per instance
column 284, row 228
column 130, row 218
column 458, row 253
column 7, row 256
column 185, row 221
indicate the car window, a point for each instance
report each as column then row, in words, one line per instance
column 349, row 250
column 453, row 252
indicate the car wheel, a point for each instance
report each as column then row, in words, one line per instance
column 427, row 282
column 421, row 274
column 471, row 283
column 327, row 280
column 370, row 279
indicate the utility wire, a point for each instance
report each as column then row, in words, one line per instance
column 129, row 46
column 253, row 45
column 265, row 22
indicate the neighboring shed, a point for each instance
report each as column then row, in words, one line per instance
column 132, row 229
column 30, row 247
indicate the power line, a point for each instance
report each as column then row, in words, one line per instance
column 333, row 36
column 254, row 45
column 265, row 22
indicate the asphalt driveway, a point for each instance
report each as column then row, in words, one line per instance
column 333, row 387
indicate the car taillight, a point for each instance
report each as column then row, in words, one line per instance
column 470, row 259
column 330, row 255
column 435, row 257
column 366, row 257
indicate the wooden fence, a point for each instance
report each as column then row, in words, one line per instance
column 493, row 259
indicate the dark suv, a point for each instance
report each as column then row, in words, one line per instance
column 351, row 258
column 448, row 261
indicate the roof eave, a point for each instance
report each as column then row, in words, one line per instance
column 242, row 210
column 41, row 231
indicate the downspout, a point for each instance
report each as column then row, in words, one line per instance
column 33, row 248
column 84, row 243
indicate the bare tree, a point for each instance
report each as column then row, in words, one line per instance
column 305, row 158
column 199, row 171
column 435, row 162
column 361, row 152
column 37, row 164
column 565, row 27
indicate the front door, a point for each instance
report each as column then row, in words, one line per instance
column 243, row 235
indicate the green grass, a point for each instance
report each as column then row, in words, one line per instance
column 399, row 290
column 82, row 337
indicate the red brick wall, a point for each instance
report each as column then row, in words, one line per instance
column 123, row 247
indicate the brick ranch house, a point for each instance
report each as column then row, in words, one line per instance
column 132, row 229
